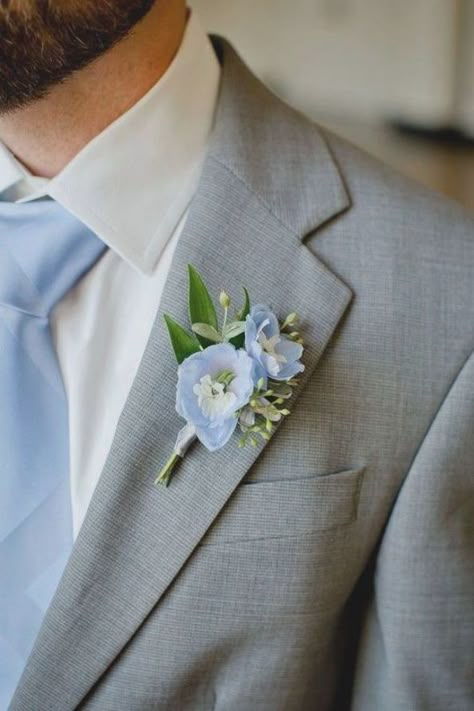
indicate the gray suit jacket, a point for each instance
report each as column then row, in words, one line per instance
column 332, row 568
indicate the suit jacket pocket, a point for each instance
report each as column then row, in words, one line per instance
column 271, row 509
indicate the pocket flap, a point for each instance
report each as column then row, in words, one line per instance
column 288, row 507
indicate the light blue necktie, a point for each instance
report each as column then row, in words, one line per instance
column 44, row 251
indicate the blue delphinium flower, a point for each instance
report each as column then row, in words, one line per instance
column 277, row 356
column 212, row 385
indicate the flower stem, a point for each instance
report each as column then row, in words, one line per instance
column 164, row 476
column 224, row 324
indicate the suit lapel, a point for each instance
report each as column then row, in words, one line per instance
column 245, row 227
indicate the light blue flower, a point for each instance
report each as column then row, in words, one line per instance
column 277, row 356
column 212, row 385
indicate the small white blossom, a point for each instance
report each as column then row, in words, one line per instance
column 275, row 360
column 212, row 397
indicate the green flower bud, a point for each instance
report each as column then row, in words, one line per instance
column 224, row 300
column 291, row 320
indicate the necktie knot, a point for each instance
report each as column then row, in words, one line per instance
column 44, row 251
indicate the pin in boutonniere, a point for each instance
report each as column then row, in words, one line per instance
column 237, row 375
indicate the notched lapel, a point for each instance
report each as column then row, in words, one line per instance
column 136, row 537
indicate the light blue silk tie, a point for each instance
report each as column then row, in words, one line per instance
column 44, row 251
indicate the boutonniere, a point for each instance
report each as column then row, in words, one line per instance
column 234, row 375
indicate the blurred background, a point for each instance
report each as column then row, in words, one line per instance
column 396, row 77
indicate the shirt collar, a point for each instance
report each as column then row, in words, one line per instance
column 133, row 182
column 16, row 182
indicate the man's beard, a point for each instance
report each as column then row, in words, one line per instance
column 42, row 42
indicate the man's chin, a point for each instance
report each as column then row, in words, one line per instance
column 41, row 48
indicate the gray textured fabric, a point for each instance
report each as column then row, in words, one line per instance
column 333, row 568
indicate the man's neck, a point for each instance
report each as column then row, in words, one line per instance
column 47, row 134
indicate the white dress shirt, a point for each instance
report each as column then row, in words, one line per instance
column 132, row 185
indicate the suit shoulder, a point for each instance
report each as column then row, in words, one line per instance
column 381, row 195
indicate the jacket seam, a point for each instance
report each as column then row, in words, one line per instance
column 259, row 199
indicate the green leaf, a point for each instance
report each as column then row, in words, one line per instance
column 245, row 310
column 207, row 332
column 234, row 329
column 184, row 344
column 239, row 340
column 201, row 308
